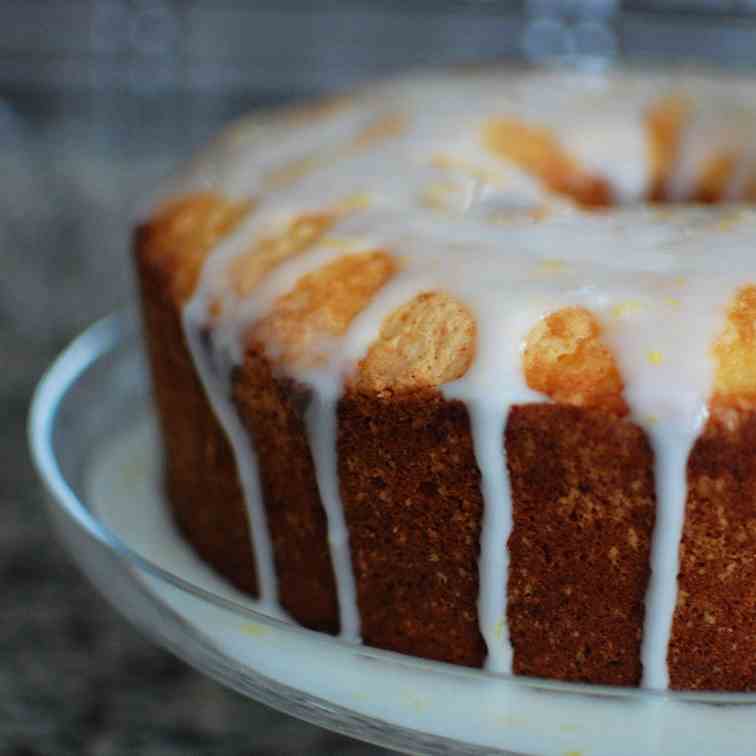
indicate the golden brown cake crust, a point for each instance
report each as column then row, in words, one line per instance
column 200, row 474
column 272, row 409
column 583, row 513
column 713, row 645
column 427, row 342
column 565, row 358
column 412, row 503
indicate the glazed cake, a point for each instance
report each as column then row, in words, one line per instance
column 424, row 384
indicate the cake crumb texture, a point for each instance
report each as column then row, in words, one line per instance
column 425, row 343
column 566, row 359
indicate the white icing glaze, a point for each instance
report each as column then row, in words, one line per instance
column 453, row 213
column 217, row 388
column 322, row 431
column 670, row 467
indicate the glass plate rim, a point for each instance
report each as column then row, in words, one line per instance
column 107, row 335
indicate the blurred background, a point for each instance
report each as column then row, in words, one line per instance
column 98, row 100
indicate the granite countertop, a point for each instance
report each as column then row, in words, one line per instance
column 75, row 678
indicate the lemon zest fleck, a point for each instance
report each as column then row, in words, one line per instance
column 730, row 220
column 552, row 266
column 339, row 243
column 255, row 630
column 622, row 309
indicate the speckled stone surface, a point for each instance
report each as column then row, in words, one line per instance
column 75, row 678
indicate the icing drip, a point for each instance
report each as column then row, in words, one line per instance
column 653, row 352
column 217, row 385
column 492, row 385
column 670, row 471
column 493, row 565
column 322, row 421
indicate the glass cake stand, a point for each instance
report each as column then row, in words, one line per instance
column 94, row 443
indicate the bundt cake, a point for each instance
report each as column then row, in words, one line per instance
column 440, row 369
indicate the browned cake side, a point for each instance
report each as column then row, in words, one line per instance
column 272, row 409
column 713, row 642
column 713, row 645
column 200, row 472
column 412, row 502
column 583, row 511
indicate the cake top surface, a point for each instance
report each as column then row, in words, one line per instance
column 449, row 128
column 472, row 187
